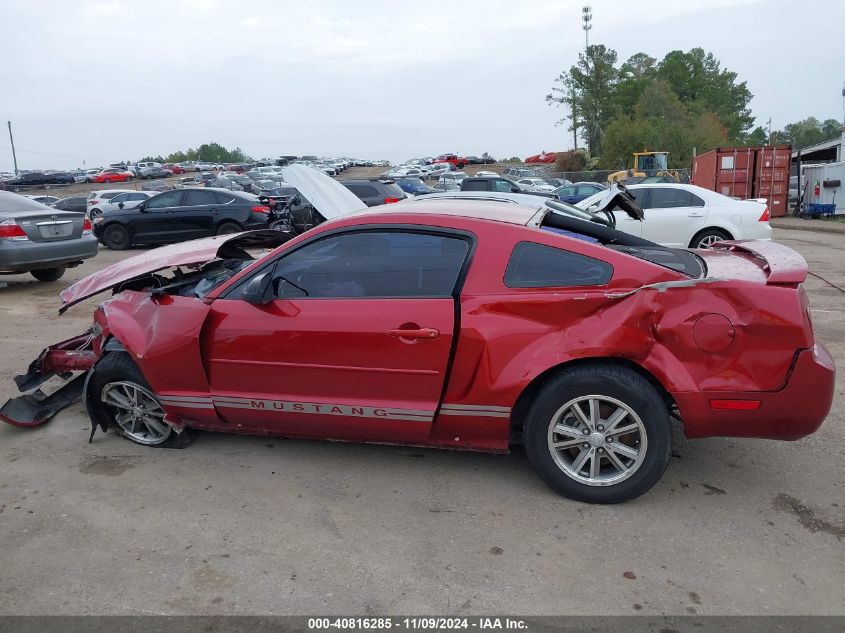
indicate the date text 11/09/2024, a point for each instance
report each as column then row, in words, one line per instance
column 417, row 623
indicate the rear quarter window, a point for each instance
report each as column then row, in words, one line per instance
column 534, row 265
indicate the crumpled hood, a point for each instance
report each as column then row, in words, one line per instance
column 327, row 195
column 193, row 253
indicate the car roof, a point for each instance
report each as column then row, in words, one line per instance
column 498, row 211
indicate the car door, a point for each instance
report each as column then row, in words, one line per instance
column 354, row 343
column 198, row 215
column 672, row 216
column 154, row 221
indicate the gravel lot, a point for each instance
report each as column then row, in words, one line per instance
column 241, row 525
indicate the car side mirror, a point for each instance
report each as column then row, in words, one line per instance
column 515, row 189
column 259, row 290
column 141, row 207
column 119, row 205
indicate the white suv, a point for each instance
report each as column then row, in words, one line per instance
column 104, row 200
column 451, row 181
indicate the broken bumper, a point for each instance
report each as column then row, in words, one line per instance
column 791, row 413
column 62, row 359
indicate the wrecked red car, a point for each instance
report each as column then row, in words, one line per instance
column 463, row 324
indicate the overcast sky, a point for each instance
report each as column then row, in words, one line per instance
column 108, row 81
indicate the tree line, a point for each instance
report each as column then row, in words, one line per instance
column 207, row 152
column 683, row 102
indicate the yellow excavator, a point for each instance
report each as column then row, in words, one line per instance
column 646, row 165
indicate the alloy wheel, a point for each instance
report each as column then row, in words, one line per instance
column 597, row 440
column 708, row 240
column 137, row 412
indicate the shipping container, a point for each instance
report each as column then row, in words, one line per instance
column 772, row 177
column 746, row 172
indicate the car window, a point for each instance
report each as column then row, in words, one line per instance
column 363, row 191
column 109, row 195
column 198, row 197
column 164, row 200
column 225, row 198
column 373, row 264
column 137, row 196
column 474, row 185
column 566, row 191
column 503, row 185
column 694, row 200
column 669, row 198
column 121, row 197
column 585, row 190
column 538, row 266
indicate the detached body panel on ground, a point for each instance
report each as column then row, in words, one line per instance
column 458, row 324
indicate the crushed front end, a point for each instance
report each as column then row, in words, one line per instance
column 69, row 361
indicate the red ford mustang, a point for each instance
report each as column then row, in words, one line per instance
column 451, row 323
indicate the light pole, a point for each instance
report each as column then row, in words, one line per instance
column 587, row 18
column 12, row 141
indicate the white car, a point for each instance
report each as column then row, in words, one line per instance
column 687, row 216
column 105, row 200
column 451, row 181
column 535, row 184
column 486, row 174
column 438, row 169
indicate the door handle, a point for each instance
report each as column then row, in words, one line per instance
column 416, row 333
column 696, row 215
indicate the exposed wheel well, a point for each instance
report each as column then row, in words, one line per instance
column 520, row 409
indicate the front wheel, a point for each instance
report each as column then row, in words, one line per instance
column 599, row 434
column 48, row 274
column 708, row 237
column 119, row 396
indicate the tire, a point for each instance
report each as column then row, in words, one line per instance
column 703, row 239
column 461, row 165
column 48, row 274
column 93, row 213
column 120, row 397
column 116, row 237
column 227, row 228
column 570, row 469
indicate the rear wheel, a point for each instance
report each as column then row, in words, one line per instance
column 227, row 228
column 93, row 213
column 48, row 274
column 599, row 434
column 119, row 396
column 116, row 237
column 708, row 237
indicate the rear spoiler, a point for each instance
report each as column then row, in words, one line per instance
column 782, row 264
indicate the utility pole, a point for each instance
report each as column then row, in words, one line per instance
column 12, row 141
column 586, row 18
column 769, row 124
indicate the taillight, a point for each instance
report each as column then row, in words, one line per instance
column 87, row 227
column 389, row 200
column 10, row 230
column 765, row 216
column 260, row 209
column 92, row 202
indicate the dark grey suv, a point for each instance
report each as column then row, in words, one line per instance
column 374, row 191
